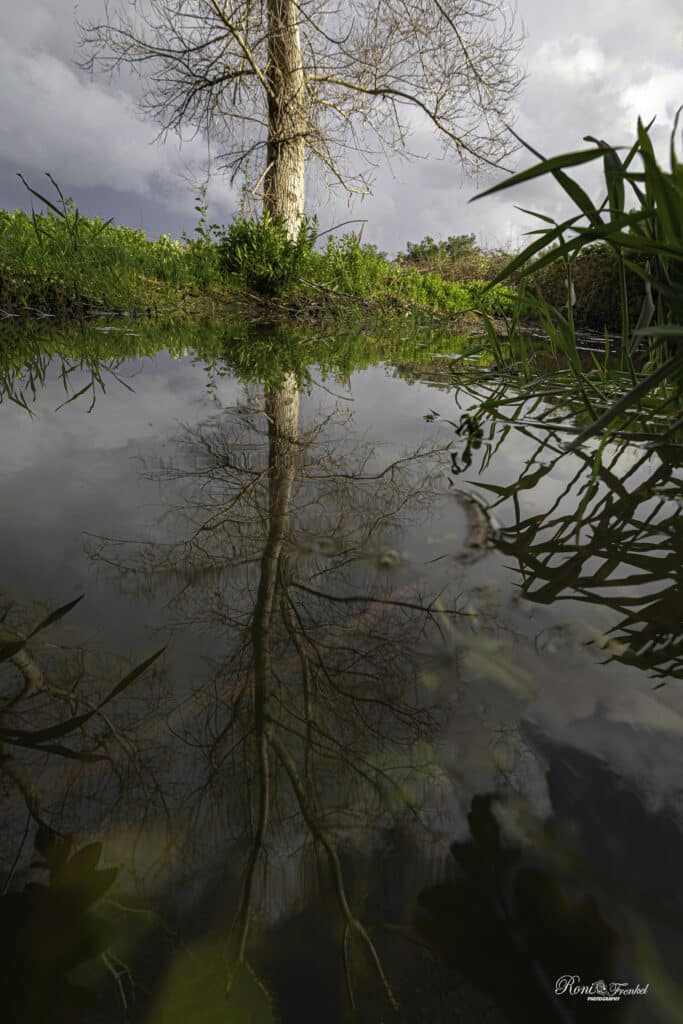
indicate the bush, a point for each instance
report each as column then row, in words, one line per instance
column 595, row 275
column 435, row 253
column 263, row 255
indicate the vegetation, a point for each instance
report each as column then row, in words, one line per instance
column 299, row 83
column 61, row 263
column 262, row 253
column 249, row 352
column 601, row 265
column 646, row 242
column 351, row 268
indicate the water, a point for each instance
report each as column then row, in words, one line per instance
column 414, row 733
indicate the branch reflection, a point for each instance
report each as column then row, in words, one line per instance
column 314, row 728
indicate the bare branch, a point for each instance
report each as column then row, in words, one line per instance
column 340, row 84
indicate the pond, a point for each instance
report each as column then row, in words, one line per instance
column 336, row 687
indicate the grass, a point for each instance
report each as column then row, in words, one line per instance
column 60, row 263
column 645, row 243
column 347, row 267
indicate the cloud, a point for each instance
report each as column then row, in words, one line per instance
column 594, row 82
column 83, row 131
column 622, row 62
column 660, row 95
column 576, row 61
column 86, row 132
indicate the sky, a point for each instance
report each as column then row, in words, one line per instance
column 592, row 67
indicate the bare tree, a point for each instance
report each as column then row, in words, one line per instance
column 272, row 82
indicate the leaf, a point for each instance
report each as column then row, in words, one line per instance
column 84, row 861
column 39, row 736
column 614, row 177
column 643, row 386
column 55, row 616
column 75, row 396
column 555, row 163
column 533, row 213
column 531, row 250
column 38, row 195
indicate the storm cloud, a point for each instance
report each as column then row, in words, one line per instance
column 592, row 68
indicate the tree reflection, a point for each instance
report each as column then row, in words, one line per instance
column 309, row 769
column 54, row 708
column 32, row 699
column 315, row 700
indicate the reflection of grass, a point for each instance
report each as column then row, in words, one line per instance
column 37, row 352
column 612, row 535
column 652, row 233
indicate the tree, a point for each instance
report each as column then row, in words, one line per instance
column 275, row 81
column 455, row 247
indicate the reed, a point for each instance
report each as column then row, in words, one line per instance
column 646, row 241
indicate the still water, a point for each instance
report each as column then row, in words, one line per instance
column 329, row 694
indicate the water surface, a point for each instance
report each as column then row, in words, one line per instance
column 371, row 696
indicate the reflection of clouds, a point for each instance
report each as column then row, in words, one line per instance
column 634, row 733
column 614, row 778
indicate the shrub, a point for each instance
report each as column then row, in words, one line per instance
column 430, row 252
column 348, row 266
column 263, row 255
column 595, row 275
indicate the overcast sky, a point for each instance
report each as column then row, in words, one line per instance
column 593, row 66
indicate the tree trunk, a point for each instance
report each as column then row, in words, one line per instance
column 283, row 193
column 282, row 410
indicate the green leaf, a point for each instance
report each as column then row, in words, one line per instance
column 545, row 167
column 645, row 385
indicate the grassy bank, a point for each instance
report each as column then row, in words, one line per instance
column 595, row 276
column 59, row 263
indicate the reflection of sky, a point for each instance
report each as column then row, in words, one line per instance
column 69, row 473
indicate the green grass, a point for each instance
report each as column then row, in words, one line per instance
column 59, row 262
column 643, row 244
column 350, row 268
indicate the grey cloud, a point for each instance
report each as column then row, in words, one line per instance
column 592, row 68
